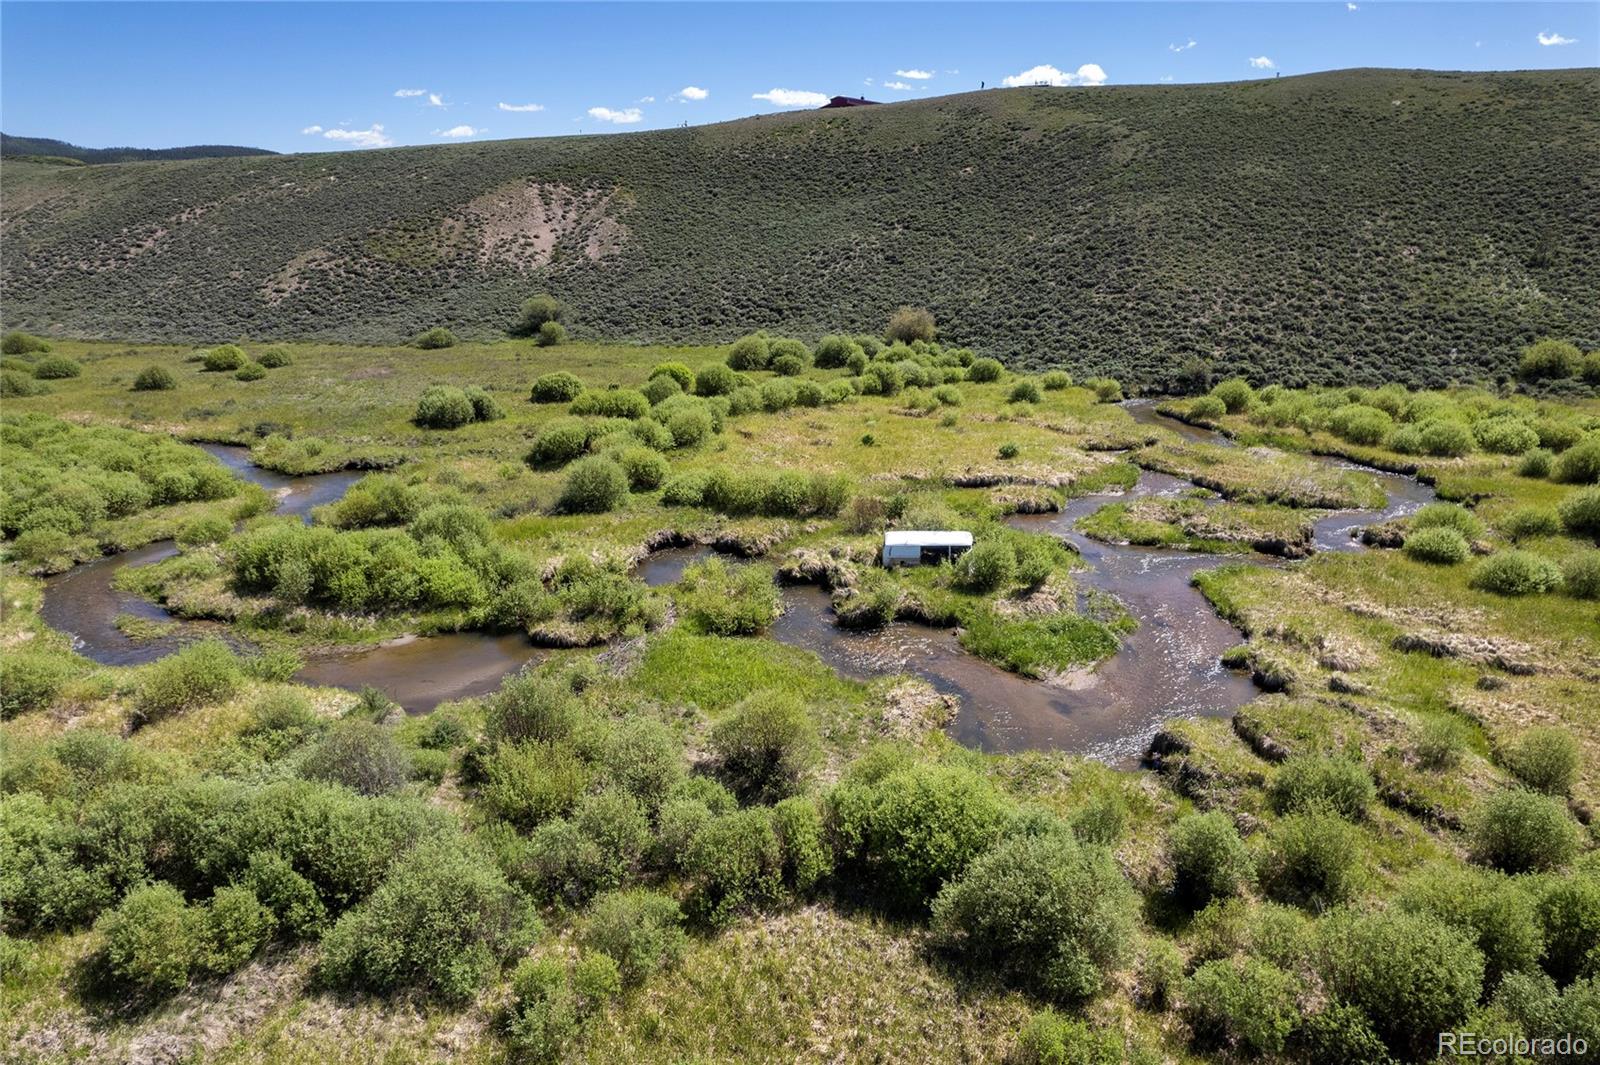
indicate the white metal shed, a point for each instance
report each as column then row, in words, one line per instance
column 916, row 547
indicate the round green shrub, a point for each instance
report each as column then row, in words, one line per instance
column 1316, row 782
column 1448, row 516
column 1044, row 911
column 1546, row 759
column 1438, row 545
column 1360, row 424
column 748, row 353
column 559, row 441
column 723, row 600
column 204, row 530
column 1569, row 916
column 1106, row 389
column 55, row 368
column 1580, row 513
column 151, row 940
column 1008, row 450
column 833, row 352
column 645, row 469
column 1557, row 434
column 443, row 407
column 19, row 343
column 234, row 926
column 735, row 863
column 642, row 930
column 435, row 338
column 987, row 567
column 275, row 358
column 1548, row 359
column 1056, row 380
column 1521, row 831
column 1209, row 860
column 985, row 370
column 1579, row 464
column 715, row 380
column 441, row 922
column 1207, row 409
column 223, row 359
column 766, row 747
column 202, row 673
column 1496, row 911
column 1505, row 436
column 677, row 371
column 250, row 371
column 1530, row 523
column 30, row 680
column 1445, row 439
column 593, row 485
column 154, row 379
column 1515, row 573
column 1581, row 575
column 536, row 311
column 557, row 387
column 360, row 755
column 1242, row 1003
column 1025, row 390
column 1312, row 860
column 1052, row 1039
column 1536, row 463
column 1236, row 395
column 690, row 426
column 16, row 385
column 551, row 334
column 1412, row 975
column 906, row 834
column 1338, row 1034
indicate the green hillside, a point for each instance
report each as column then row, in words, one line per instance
column 50, row 148
column 1356, row 225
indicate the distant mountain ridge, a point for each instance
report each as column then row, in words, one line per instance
column 35, row 146
column 1346, row 227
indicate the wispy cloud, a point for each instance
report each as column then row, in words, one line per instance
column 1166, row 77
column 373, row 137
column 1352, row 7
column 1045, row 74
column 647, row 99
column 1548, row 39
column 1261, row 62
column 791, row 97
column 692, row 92
column 626, row 117
column 435, row 100
column 521, row 107
column 902, row 86
column 460, row 131
column 311, row 130
column 403, row 93
column 1182, row 47
column 914, row 74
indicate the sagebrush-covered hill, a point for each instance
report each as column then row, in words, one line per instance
column 1353, row 225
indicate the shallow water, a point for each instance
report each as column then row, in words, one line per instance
column 1168, row 667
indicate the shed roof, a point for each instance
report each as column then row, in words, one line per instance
column 928, row 538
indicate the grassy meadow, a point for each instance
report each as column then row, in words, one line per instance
column 676, row 838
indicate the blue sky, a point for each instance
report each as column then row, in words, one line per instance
column 330, row 76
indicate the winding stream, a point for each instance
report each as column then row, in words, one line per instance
column 1168, row 667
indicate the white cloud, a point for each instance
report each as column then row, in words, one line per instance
column 1166, row 77
column 952, row 72
column 522, row 107
column 309, row 130
column 1261, row 62
column 361, row 138
column 1352, row 7
column 1088, row 74
column 625, row 117
column 1548, row 39
column 914, row 74
column 692, row 92
column 435, row 100
column 902, row 86
column 1181, row 47
column 460, row 131
column 403, row 93
column 647, row 99
column 792, row 97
